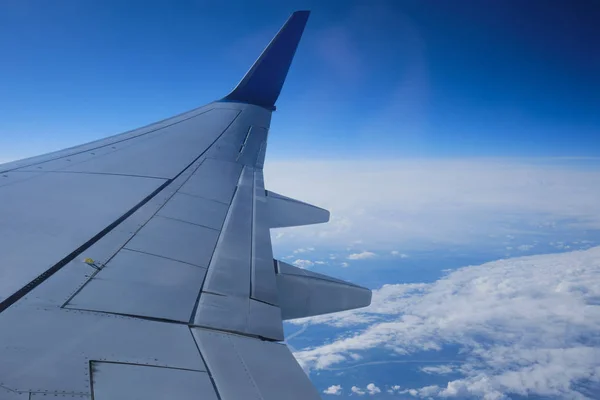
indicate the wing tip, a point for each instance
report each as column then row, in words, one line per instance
column 262, row 84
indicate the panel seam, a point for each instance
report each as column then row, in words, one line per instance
column 212, row 380
column 146, row 365
column 185, row 222
column 93, row 173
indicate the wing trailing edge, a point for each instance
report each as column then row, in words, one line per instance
column 262, row 84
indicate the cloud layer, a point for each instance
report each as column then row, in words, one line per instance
column 526, row 326
column 416, row 202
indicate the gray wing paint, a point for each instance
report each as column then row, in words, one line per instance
column 140, row 266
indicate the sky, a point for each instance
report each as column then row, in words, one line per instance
column 377, row 79
column 456, row 144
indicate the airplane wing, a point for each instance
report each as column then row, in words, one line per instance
column 140, row 266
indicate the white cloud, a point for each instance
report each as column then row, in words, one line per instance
column 461, row 201
column 320, row 262
column 560, row 245
column 361, row 256
column 344, row 264
column 439, row 369
column 358, row 391
column 303, row 263
column 524, row 247
column 335, row 390
column 393, row 389
column 396, row 253
column 372, row 389
column 527, row 326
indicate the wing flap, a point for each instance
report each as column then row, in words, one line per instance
column 304, row 293
column 285, row 212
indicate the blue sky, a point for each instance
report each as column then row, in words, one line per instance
column 371, row 79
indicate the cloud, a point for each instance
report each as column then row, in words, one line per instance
column 358, row 391
column 335, row 390
column 460, row 201
column 525, row 247
column 303, row 263
column 396, row 253
column 439, row 369
column 361, row 256
column 372, row 389
column 304, row 250
column 344, row 264
column 526, row 326
column 394, row 388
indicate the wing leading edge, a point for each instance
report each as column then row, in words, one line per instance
column 149, row 259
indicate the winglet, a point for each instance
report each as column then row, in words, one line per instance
column 263, row 82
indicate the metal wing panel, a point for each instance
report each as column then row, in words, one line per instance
column 140, row 284
column 285, row 211
column 231, row 143
column 49, row 349
column 305, row 293
column 119, row 381
column 195, row 210
column 241, row 277
column 47, row 217
column 250, row 149
column 264, row 285
column 177, row 240
column 214, row 180
column 228, row 273
column 176, row 146
column 248, row 368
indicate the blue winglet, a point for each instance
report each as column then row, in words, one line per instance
column 263, row 82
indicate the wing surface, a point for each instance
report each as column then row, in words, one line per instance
column 140, row 265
